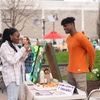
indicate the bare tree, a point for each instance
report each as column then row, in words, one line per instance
column 14, row 12
column 98, row 23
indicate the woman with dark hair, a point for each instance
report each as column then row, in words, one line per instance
column 13, row 58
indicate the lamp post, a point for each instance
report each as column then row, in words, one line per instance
column 51, row 18
column 56, row 18
column 43, row 27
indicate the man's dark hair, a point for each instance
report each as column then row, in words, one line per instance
column 6, row 36
column 68, row 20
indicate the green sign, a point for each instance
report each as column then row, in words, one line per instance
column 36, row 66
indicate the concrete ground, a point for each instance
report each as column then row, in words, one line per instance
column 3, row 96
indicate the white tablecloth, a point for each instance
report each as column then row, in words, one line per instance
column 28, row 93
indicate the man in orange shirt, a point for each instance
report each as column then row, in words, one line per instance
column 81, row 54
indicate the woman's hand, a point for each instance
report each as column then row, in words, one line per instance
column 27, row 47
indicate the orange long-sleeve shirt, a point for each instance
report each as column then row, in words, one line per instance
column 79, row 47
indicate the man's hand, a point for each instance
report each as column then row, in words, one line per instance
column 90, row 69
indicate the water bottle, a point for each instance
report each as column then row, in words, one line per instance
column 41, row 76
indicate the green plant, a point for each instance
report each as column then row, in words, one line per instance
column 96, row 73
column 61, row 57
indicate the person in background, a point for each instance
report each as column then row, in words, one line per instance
column 13, row 62
column 79, row 49
column 29, row 60
column 37, row 42
column 95, row 43
column 54, row 42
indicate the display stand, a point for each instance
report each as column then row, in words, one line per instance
column 52, row 62
column 37, row 64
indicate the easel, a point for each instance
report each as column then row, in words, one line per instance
column 52, row 64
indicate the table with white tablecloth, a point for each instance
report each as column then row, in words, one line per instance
column 29, row 93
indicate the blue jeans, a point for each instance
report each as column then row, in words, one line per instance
column 14, row 90
column 27, row 71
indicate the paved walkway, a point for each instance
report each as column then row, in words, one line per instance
column 3, row 96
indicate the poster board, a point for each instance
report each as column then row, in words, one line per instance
column 50, row 53
column 37, row 64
